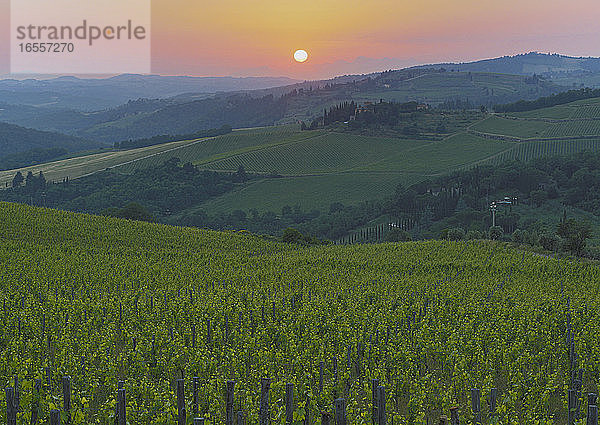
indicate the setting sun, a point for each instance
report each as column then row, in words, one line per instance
column 300, row 55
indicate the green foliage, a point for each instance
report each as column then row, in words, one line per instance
column 423, row 318
column 550, row 241
column 155, row 140
column 396, row 234
column 21, row 145
column 164, row 190
column 574, row 234
column 131, row 211
column 456, row 234
column 31, row 157
column 495, row 232
column 545, row 102
column 291, row 235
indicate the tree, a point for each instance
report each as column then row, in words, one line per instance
column 291, row 235
column 240, row 175
column 538, row 197
column 496, row 232
column 456, row 234
column 550, row 241
column 41, row 180
column 574, row 234
column 30, row 180
column 396, row 234
column 131, row 211
column 18, row 179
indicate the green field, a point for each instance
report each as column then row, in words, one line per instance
column 309, row 192
column 105, row 300
column 79, row 166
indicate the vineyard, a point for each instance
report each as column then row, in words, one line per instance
column 531, row 150
column 412, row 330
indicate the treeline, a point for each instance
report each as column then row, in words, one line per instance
column 381, row 113
column 166, row 138
column 451, row 206
column 31, row 157
column 164, row 190
column 339, row 113
column 545, row 102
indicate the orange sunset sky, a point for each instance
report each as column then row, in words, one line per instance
column 242, row 38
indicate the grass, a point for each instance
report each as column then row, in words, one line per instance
column 309, row 192
column 83, row 165
column 458, row 151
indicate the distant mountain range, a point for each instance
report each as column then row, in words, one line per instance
column 102, row 93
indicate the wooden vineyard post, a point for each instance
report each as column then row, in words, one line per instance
column 592, row 418
column 66, row 386
column 240, row 418
column 493, row 401
column 11, row 408
column 381, row 405
column 264, row 414
column 229, row 403
column 196, row 384
column 374, row 387
column 454, row 416
column 35, row 403
column 181, row 413
column 289, row 403
column 307, row 411
column 476, row 405
column 340, row 411
column 571, row 405
column 17, row 398
column 592, row 410
column 321, row 365
column 335, row 374
column 121, row 412
column 54, row 417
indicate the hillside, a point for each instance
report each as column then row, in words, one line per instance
column 288, row 104
column 15, row 139
column 324, row 166
column 550, row 65
column 92, row 94
column 157, row 302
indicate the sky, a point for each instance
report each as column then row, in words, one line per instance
column 259, row 37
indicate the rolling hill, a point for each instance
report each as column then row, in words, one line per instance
column 92, row 94
column 550, row 65
column 15, row 139
column 281, row 105
column 316, row 168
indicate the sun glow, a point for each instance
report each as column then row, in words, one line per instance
column 300, row 55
